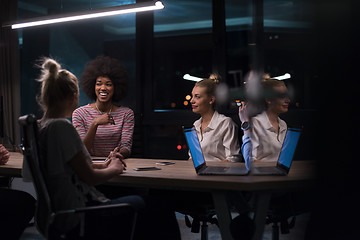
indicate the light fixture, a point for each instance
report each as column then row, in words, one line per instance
column 283, row 77
column 192, row 78
column 81, row 15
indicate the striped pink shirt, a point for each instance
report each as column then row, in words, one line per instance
column 107, row 136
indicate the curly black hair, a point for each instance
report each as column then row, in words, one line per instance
column 103, row 66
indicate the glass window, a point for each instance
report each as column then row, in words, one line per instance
column 238, row 33
column 74, row 44
column 182, row 45
column 287, row 44
column 286, row 38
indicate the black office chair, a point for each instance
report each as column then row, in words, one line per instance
column 282, row 215
column 201, row 215
column 199, row 207
column 45, row 216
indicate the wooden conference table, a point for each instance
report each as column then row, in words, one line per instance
column 182, row 176
column 13, row 167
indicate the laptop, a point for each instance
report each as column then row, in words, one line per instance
column 199, row 161
column 285, row 157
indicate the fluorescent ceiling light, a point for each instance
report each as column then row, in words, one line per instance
column 192, row 78
column 283, row 77
column 95, row 13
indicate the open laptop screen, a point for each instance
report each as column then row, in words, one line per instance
column 194, row 146
column 289, row 146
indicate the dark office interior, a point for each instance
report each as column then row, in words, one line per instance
column 314, row 41
column 159, row 48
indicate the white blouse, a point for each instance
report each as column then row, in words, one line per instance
column 219, row 140
column 265, row 141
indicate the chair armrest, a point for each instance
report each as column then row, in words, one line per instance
column 96, row 208
column 104, row 207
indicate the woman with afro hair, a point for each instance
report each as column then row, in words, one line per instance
column 103, row 125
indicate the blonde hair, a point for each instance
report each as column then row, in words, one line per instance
column 56, row 85
column 265, row 76
column 209, row 84
column 216, row 77
column 268, row 85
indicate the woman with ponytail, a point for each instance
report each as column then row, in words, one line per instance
column 71, row 176
column 68, row 170
column 217, row 133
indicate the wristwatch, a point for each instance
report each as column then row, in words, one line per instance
column 245, row 126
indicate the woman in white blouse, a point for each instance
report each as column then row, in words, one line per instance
column 217, row 133
column 268, row 129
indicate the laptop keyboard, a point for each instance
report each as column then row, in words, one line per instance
column 269, row 170
column 266, row 169
column 212, row 169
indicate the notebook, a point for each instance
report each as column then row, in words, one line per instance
column 285, row 157
column 199, row 160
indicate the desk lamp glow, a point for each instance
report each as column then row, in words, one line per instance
column 95, row 13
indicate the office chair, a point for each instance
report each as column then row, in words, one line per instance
column 199, row 207
column 280, row 210
column 44, row 215
column 201, row 217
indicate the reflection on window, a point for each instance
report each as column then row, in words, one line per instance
column 183, row 18
column 76, row 43
column 287, row 35
column 285, row 42
column 183, row 45
column 286, row 14
column 238, row 33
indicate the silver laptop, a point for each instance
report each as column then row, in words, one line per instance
column 199, row 160
column 286, row 155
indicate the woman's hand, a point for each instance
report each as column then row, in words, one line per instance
column 104, row 119
column 116, row 164
column 4, row 155
column 243, row 113
column 115, row 154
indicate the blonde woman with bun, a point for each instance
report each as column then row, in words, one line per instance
column 217, row 133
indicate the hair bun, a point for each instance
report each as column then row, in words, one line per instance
column 215, row 78
column 52, row 66
column 216, row 81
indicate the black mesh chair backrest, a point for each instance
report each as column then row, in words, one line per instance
column 32, row 161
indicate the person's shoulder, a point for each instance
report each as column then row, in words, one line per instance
column 84, row 108
column 260, row 115
column 56, row 126
column 224, row 119
column 58, row 123
column 125, row 110
column 260, row 118
column 83, row 111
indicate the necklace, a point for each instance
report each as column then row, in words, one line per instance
column 101, row 111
